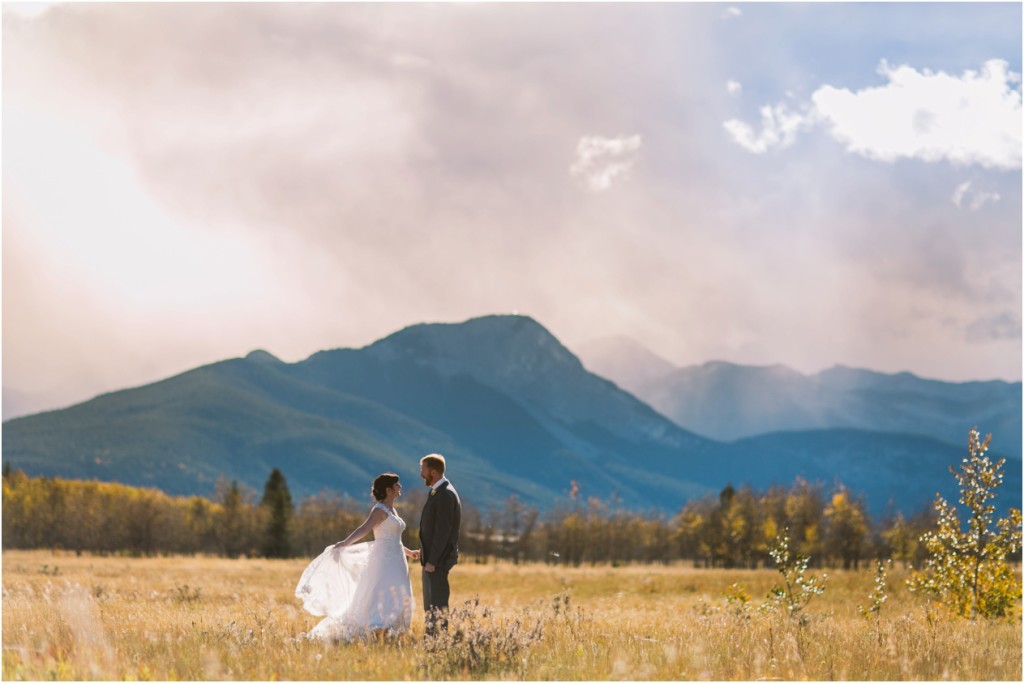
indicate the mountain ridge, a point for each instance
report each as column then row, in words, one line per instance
column 514, row 410
column 728, row 401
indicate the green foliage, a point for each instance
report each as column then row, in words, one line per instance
column 235, row 418
column 967, row 570
column 277, row 501
column 797, row 587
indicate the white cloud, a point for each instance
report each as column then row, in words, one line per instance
column 600, row 161
column 732, row 13
column 28, row 10
column 959, row 192
column 779, row 128
column 734, row 87
column 972, row 119
column 978, row 199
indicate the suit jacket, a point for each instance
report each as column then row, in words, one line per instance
column 439, row 527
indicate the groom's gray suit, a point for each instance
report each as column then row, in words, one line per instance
column 439, row 546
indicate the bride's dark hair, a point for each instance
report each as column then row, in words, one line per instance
column 382, row 483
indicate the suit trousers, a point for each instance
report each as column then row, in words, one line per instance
column 435, row 598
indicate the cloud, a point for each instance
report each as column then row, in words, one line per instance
column 28, row 10
column 995, row 328
column 601, row 161
column 297, row 151
column 779, row 128
column 978, row 199
column 734, row 87
column 731, row 13
column 973, row 119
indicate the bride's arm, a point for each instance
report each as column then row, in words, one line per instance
column 412, row 554
column 376, row 517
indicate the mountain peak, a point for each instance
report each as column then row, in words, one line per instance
column 520, row 357
column 261, row 356
column 506, row 343
column 623, row 360
column 496, row 324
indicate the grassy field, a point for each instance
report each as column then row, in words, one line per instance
column 73, row 618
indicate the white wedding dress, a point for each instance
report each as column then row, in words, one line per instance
column 360, row 588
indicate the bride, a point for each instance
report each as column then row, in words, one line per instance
column 365, row 587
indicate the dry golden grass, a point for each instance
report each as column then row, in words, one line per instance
column 74, row 618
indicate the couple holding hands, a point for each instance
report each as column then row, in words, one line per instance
column 365, row 587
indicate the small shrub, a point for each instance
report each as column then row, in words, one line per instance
column 878, row 596
column 476, row 643
column 737, row 597
column 797, row 588
column 184, row 593
column 967, row 570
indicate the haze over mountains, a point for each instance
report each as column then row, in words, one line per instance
column 726, row 401
column 513, row 409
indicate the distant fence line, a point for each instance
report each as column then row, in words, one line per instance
column 730, row 530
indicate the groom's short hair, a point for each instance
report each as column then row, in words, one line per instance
column 434, row 461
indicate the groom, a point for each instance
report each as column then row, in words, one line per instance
column 439, row 540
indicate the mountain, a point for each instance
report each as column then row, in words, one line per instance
column 892, row 469
column 505, row 387
column 17, row 403
column 726, row 402
column 513, row 410
column 627, row 362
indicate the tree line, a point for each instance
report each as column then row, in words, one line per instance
column 734, row 529
column 730, row 530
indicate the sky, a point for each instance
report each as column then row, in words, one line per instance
column 805, row 184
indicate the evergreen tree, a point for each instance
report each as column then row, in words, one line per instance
column 277, row 501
